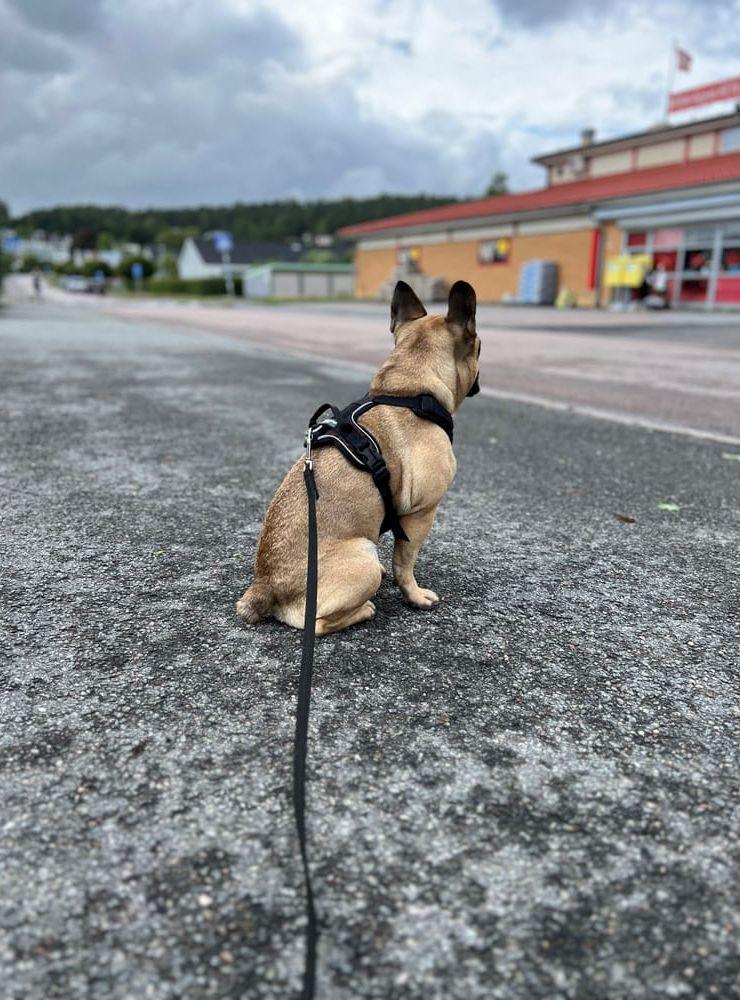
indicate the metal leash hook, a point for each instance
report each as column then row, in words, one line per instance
column 307, row 444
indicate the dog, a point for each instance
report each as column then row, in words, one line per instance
column 438, row 355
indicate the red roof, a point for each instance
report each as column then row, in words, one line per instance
column 711, row 170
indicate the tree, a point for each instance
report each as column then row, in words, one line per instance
column 499, row 184
column 85, row 239
column 277, row 220
column 173, row 237
column 318, row 256
column 30, row 262
column 4, row 214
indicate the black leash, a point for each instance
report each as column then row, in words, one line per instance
column 303, row 707
column 362, row 450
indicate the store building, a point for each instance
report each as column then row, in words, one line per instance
column 671, row 192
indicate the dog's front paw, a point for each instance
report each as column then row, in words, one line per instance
column 421, row 598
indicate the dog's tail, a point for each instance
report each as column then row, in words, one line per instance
column 255, row 603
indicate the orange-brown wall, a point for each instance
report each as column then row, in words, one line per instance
column 372, row 268
column 571, row 250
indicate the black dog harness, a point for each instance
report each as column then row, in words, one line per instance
column 357, row 444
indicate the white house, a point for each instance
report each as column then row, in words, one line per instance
column 199, row 258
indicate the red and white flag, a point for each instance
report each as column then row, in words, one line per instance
column 683, row 60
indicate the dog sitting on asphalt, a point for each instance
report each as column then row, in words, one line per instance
column 437, row 355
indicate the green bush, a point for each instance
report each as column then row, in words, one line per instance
column 191, row 286
column 167, row 266
column 29, row 262
column 67, row 267
column 91, row 266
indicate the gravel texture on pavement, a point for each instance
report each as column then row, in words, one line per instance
column 530, row 791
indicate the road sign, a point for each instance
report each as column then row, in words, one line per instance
column 223, row 241
column 137, row 270
column 11, row 244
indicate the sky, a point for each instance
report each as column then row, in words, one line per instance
column 184, row 102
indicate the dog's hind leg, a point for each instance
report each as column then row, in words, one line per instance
column 349, row 575
column 343, row 619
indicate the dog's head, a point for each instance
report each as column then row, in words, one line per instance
column 454, row 334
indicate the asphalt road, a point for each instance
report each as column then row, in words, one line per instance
column 674, row 370
column 530, row 791
column 628, row 366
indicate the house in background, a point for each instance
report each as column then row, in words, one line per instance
column 199, row 257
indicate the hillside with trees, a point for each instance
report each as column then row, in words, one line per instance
column 99, row 226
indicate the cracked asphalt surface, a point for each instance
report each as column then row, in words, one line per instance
column 529, row 791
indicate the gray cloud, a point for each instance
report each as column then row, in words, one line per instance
column 535, row 14
column 197, row 106
column 26, row 51
column 62, row 17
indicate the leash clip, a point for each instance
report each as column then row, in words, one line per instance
column 307, row 442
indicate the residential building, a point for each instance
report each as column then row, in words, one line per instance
column 199, row 257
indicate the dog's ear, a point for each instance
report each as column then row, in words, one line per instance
column 461, row 307
column 405, row 305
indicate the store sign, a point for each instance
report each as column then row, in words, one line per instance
column 722, row 90
column 627, row 270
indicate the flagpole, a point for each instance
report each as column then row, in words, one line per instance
column 670, row 78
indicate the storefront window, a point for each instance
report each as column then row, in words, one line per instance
column 730, row 261
column 667, row 258
column 409, row 258
column 698, row 259
column 494, row 251
column 667, row 238
column 699, row 265
column 727, row 289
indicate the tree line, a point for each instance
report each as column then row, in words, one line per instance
column 98, row 225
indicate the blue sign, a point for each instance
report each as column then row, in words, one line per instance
column 11, row 244
column 223, row 241
column 137, row 270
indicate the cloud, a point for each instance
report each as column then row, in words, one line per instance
column 538, row 14
column 191, row 101
column 68, row 17
column 26, row 51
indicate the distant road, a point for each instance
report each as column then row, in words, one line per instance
column 669, row 371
